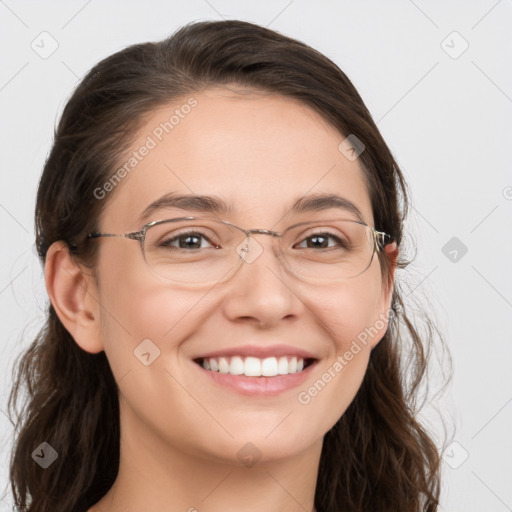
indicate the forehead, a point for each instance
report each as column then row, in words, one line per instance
column 257, row 152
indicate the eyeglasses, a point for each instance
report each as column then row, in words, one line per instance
column 200, row 250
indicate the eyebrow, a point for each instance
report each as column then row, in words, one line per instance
column 217, row 206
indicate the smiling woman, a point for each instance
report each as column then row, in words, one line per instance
column 223, row 330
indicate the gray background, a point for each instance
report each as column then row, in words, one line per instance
column 445, row 114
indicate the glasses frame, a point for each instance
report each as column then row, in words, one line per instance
column 379, row 237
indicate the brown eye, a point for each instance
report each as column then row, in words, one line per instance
column 189, row 240
column 321, row 241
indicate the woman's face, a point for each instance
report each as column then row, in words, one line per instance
column 260, row 154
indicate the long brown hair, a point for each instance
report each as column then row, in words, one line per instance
column 377, row 456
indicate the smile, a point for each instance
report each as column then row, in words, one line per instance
column 254, row 366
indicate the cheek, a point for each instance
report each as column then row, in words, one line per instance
column 141, row 308
column 346, row 312
column 140, row 313
column 350, row 309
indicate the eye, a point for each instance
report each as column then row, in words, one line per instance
column 321, row 241
column 187, row 240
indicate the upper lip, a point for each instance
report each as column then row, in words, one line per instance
column 260, row 351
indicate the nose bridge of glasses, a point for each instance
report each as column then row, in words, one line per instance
column 249, row 250
column 262, row 232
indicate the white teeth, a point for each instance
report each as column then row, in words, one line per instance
column 237, row 366
column 269, row 367
column 223, row 365
column 253, row 366
column 282, row 366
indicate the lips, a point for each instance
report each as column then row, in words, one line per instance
column 258, row 383
column 259, row 351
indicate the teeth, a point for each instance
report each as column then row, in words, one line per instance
column 269, row 367
column 253, row 366
column 223, row 365
column 236, row 367
column 282, row 366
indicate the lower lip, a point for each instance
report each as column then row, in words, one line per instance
column 259, row 386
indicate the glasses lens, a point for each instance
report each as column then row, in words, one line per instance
column 329, row 250
column 192, row 251
column 207, row 250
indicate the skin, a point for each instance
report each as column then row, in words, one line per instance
column 181, row 433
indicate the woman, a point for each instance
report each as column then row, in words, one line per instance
column 220, row 223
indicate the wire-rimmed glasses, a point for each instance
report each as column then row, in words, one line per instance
column 203, row 250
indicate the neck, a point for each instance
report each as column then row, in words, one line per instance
column 155, row 474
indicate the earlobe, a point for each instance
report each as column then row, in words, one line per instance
column 73, row 296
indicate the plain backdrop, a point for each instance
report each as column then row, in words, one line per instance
column 436, row 77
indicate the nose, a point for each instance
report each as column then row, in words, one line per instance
column 261, row 291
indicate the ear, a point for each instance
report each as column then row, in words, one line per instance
column 391, row 252
column 73, row 294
